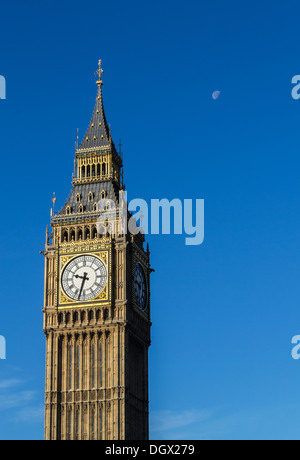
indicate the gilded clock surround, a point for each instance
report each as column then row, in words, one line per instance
column 96, row 351
column 105, row 295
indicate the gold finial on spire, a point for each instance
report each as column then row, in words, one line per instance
column 77, row 139
column 53, row 201
column 99, row 73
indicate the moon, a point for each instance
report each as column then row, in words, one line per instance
column 215, row 95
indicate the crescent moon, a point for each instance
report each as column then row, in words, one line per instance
column 216, row 94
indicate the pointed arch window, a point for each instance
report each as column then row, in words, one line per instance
column 78, row 367
column 101, row 364
column 93, row 366
column 93, row 424
column 80, row 208
column 70, row 425
column 68, row 210
column 65, row 236
column 95, row 207
column 101, row 423
column 78, row 197
column 77, row 424
column 91, row 315
column 94, row 232
column 70, row 367
column 91, row 196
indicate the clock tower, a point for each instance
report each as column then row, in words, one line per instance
column 97, row 302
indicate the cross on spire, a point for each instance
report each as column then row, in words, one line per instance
column 99, row 73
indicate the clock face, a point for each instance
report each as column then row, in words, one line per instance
column 84, row 278
column 140, row 289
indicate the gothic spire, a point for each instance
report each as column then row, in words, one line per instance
column 98, row 136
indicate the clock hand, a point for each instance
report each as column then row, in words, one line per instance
column 84, row 279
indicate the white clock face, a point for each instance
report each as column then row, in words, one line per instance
column 140, row 289
column 84, row 278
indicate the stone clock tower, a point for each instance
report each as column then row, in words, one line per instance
column 97, row 303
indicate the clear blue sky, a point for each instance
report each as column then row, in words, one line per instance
column 223, row 313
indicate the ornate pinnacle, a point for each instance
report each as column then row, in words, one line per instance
column 47, row 234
